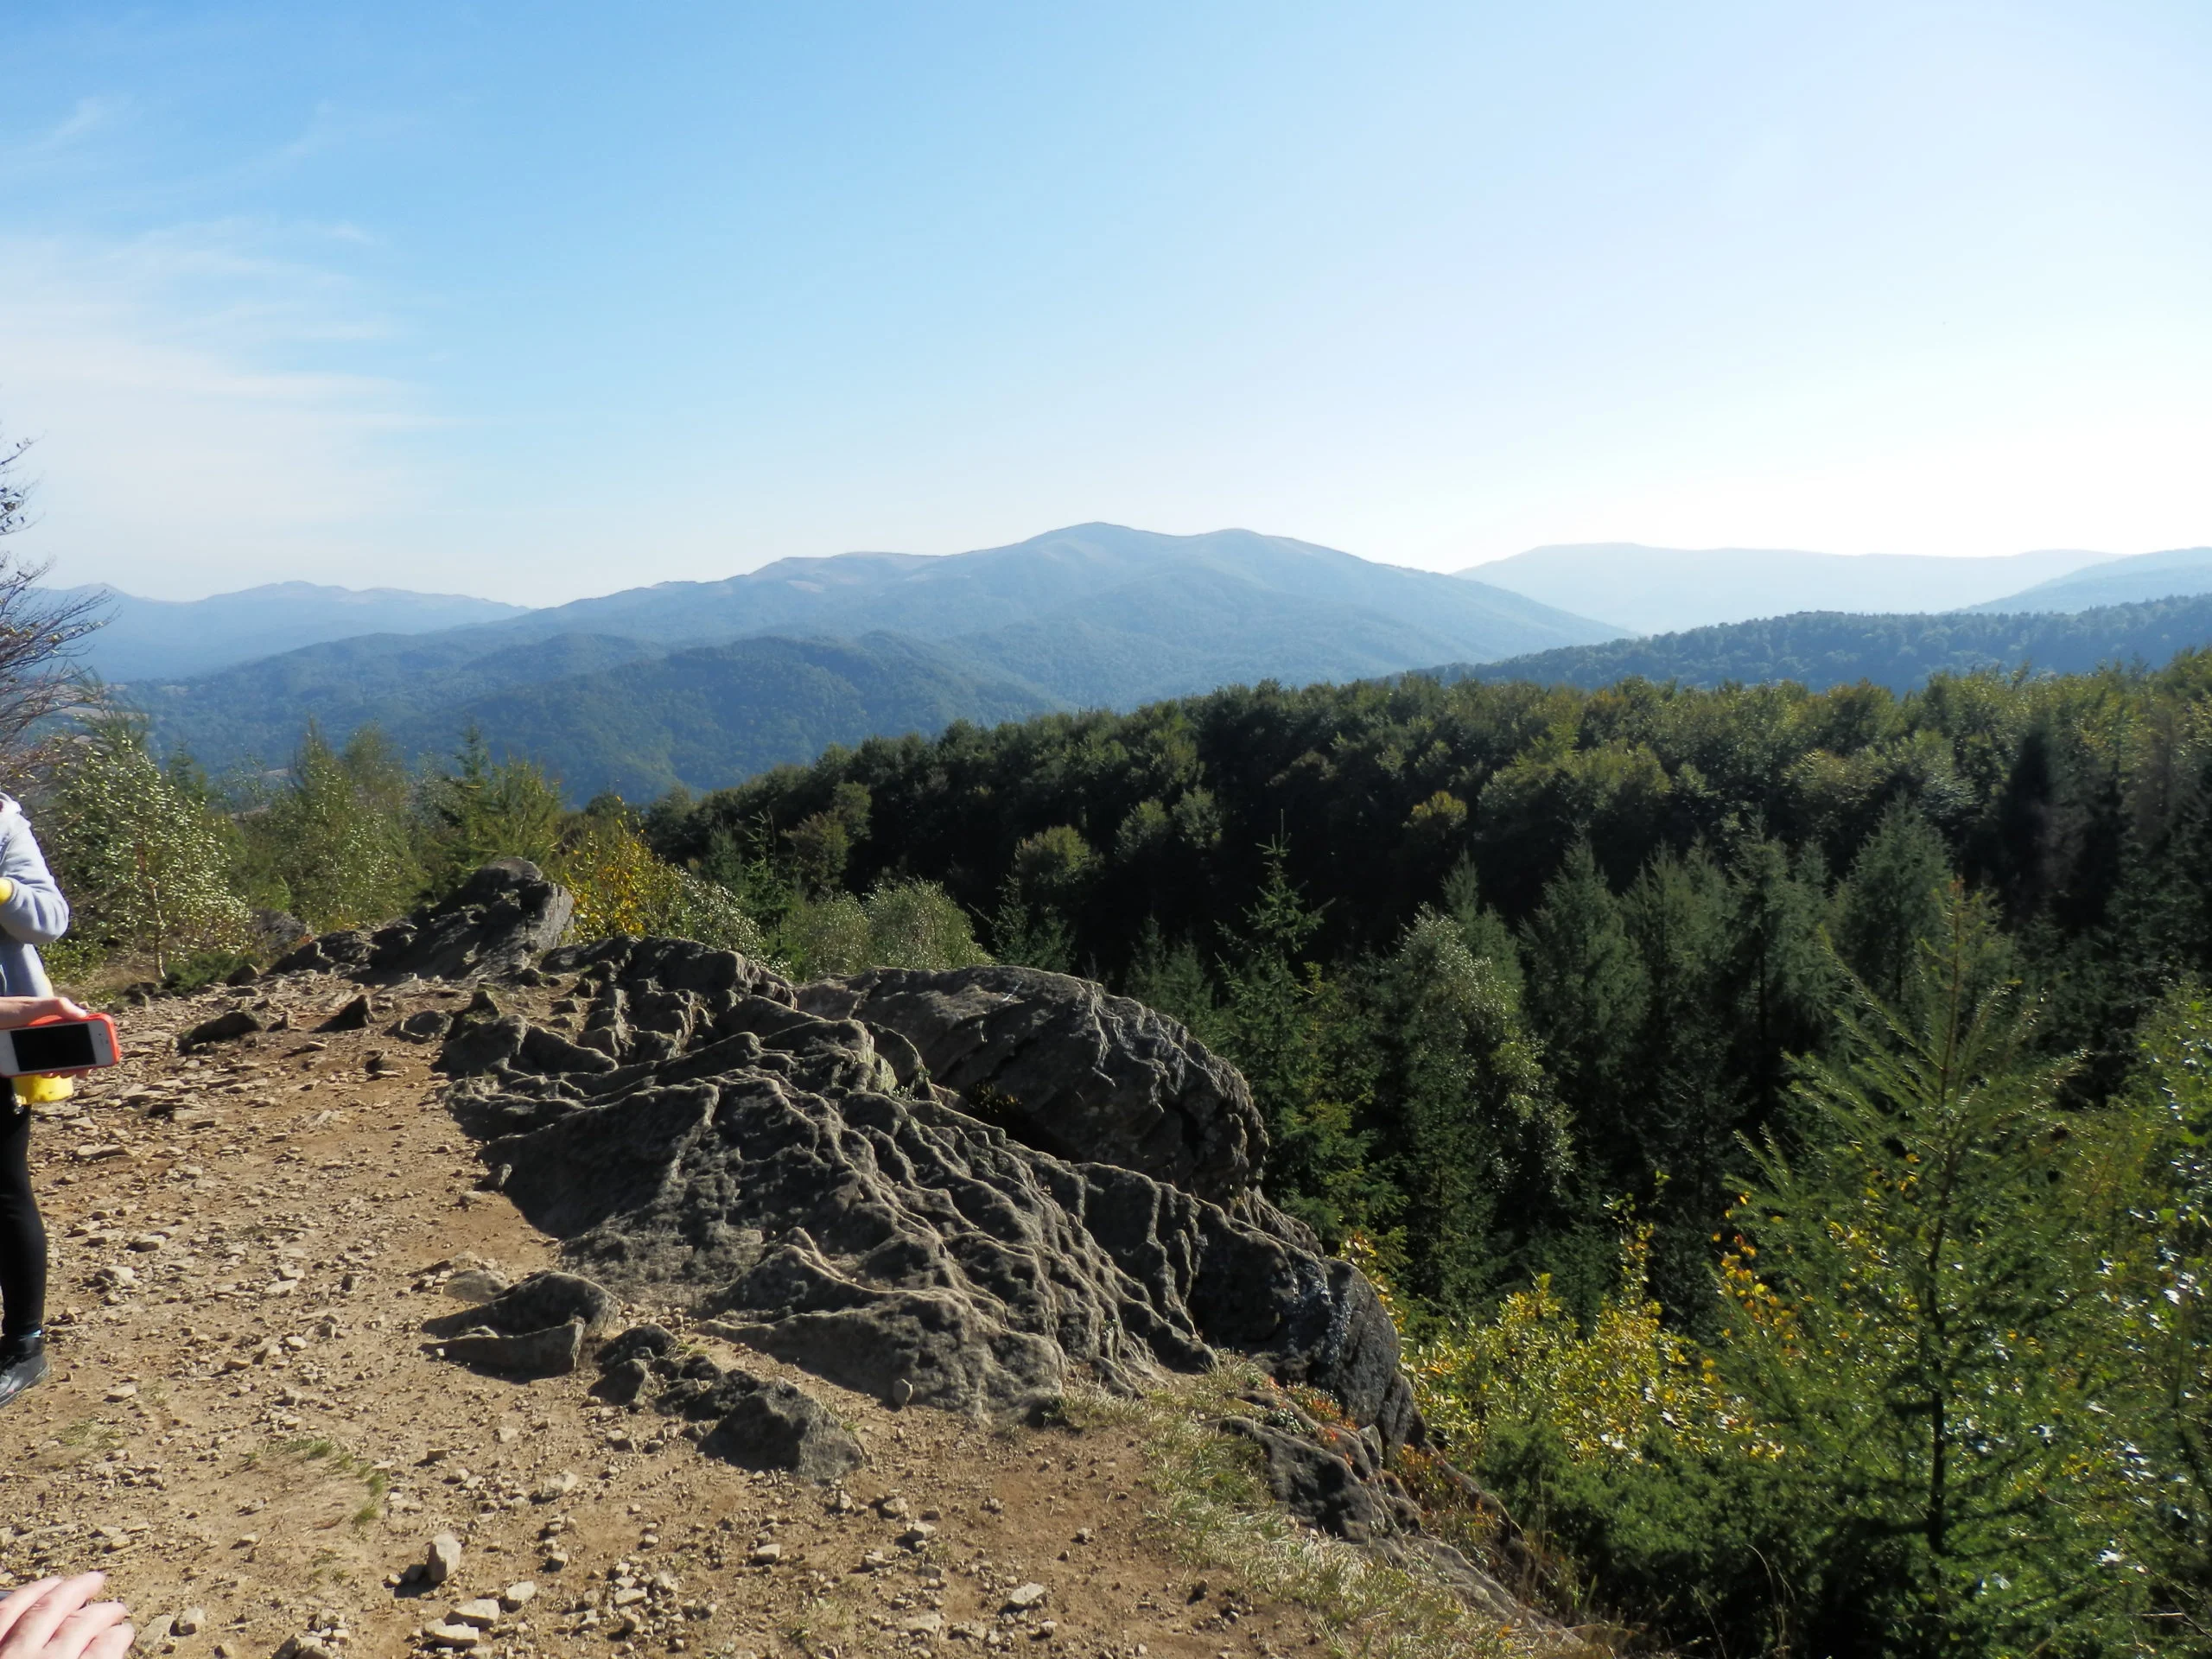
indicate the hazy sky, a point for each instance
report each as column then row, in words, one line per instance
column 537, row 300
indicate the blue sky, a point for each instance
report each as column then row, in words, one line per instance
column 547, row 300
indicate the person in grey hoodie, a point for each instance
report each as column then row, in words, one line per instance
column 32, row 912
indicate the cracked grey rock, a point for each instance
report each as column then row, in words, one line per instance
column 1067, row 1068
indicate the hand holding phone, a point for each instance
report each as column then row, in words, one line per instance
column 51, row 1034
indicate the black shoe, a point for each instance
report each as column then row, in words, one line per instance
column 22, row 1365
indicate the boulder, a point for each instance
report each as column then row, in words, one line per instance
column 1327, row 1478
column 500, row 920
column 1066, row 1068
column 443, row 1560
column 547, row 1299
column 475, row 1285
column 424, row 1025
column 535, row 1327
column 354, row 1016
column 223, row 1028
column 343, row 952
column 639, row 1342
column 758, row 1425
column 553, row 1351
column 777, row 1425
column 1332, row 1478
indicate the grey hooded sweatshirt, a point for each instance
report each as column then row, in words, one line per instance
column 36, row 914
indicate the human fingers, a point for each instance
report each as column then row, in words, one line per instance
column 24, row 1010
column 112, row 1643
column 87, row 1629
column 18, row 1602
column 29, row 1637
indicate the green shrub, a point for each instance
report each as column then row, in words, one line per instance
column 900, row 925
column 620, row 886
column 145, row 862
column 1700, row 1551
column 334, row 845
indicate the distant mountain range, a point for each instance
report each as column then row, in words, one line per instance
column 1664, row 590
column 702, row 684
column 1097, row 615
column 161, row 639
column 1825, row 648
column 1260, row 595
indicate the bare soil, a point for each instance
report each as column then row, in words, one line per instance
column 245, row 1421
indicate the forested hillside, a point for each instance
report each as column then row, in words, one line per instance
column 1105, row 573
column 598, row 712
column 1828, row 648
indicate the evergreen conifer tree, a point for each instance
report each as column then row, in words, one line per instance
column 1893, row 899
column 1466, row 1132
column 1914, row 1313
column 487, row 809
column 1276, row 1024
column 1586, row 987
column 334, row 841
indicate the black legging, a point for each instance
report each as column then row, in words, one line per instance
column 23, row 1235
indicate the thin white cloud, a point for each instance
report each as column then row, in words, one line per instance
column 187, row 438
column 329, row 129
column 90, row 115
column 62, row 146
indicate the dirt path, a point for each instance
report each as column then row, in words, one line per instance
column 244, row 1421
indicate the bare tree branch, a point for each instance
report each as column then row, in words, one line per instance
column 41, row 634
column 14, row 492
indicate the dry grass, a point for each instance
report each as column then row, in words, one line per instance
column 1212, row 1505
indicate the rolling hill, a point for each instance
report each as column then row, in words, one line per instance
column 711, row 713
column 1825, row 648
column 256, row 712
column 1665, row 589
column 2173, row 573
column 159, row 639
column 601, row 713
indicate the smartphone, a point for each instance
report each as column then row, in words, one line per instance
column 59, row 1045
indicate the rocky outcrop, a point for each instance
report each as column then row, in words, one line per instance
column 704, row 1135
column 1066, row 1068
column 500, row 921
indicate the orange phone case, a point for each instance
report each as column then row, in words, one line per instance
column 114, row 1042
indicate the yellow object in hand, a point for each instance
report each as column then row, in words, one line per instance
column 39, row 1089
column 7, row 889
